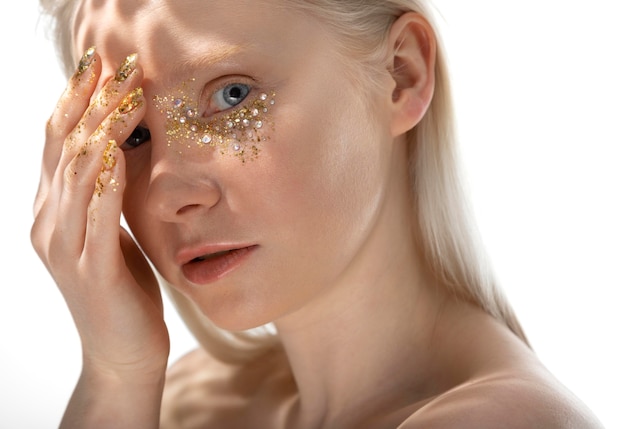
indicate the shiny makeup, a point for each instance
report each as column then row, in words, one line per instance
column 108, row 157
column 131, row 101
column 85, row 61
column 238, row 130
column 126, row 68
column 108, row 162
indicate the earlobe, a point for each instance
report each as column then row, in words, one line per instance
column 412, row 47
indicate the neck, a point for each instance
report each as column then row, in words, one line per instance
column 358, row 346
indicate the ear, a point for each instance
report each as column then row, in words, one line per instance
column 413, row 49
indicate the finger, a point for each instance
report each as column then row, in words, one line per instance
column 88, row 176
column 74, row 134
column 91, row 122
column 105, row 211
column 69, row 110
column 127, row 76
column 107, row 100
column 75, row 98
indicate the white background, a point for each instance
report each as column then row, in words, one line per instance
column 541, row 92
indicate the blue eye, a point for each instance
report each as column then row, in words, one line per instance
column 231, row 95
column 139, row 136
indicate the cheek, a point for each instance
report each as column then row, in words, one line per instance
column 134, row 207
column 338, row 153
column 326, row 176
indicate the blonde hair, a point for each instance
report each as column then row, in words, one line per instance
column 445, row 225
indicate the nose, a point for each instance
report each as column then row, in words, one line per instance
column 179, row 186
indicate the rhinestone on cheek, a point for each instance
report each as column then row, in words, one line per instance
column 237, row 130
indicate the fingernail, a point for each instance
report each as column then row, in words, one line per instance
column 85, row 61
column 131, row 101
column 126, row 68
column 108, row 160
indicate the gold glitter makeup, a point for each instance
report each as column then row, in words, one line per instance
column 101, row 182
column 99, row 189
column 126, row 68
column 131, row 101
column 108, row 160
column 238, row 131
column 85, row 61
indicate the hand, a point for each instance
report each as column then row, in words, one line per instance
column 108, row 285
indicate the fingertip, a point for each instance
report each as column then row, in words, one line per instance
column 87, row 73
column 86, row 60
column 76, row 96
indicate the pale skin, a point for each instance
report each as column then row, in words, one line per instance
column 369, row 339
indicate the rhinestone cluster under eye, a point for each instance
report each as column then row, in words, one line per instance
column 237, row 132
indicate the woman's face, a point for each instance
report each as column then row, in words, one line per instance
column 250, row 207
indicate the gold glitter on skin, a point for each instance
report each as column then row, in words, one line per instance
column 114, row 184
column 238, row 132
column 108, row 159
column 128, row 104
column 103, row 101
column 99, row 189
column 126, row 68
column 100, row 186
column 131, row 102
column 108, row 162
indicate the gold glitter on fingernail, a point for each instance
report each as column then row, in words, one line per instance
column 126, row 68
column 85, row 61
column 108, row 159
column 131, row 101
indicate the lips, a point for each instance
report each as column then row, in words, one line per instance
column 211, row 266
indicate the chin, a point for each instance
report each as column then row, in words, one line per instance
column 234, row 315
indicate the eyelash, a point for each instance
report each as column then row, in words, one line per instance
column 142, row 135
column 139, row 136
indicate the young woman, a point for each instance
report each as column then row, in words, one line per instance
column 287, row 170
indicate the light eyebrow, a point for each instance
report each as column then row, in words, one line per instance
column 220, row 54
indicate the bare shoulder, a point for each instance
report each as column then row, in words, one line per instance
column 201, row 391
column 522, row 400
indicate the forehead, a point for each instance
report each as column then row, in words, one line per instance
column 164, row 31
